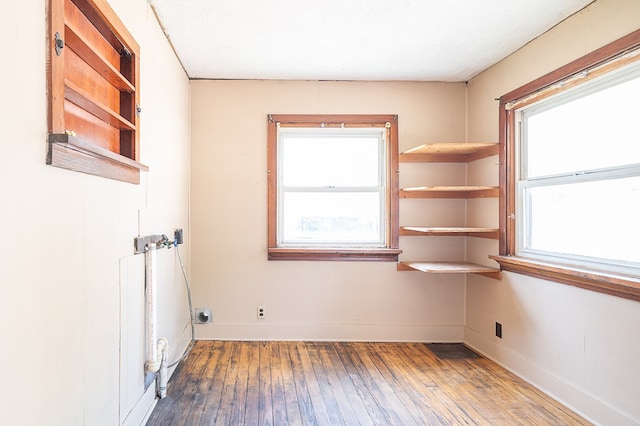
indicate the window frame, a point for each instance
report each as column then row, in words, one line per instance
column 378, row 188
column 596, row 63
column 390, row 251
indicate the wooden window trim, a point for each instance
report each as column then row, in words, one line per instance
column 624, row 286
column 85, row 27
column 389, row 253
column 620, row 285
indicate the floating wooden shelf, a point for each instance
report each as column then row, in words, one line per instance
column 449, row 152
column 446, row 267
column 450, row 192
column 422, row 231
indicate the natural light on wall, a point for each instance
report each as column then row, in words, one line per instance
column 579, row 174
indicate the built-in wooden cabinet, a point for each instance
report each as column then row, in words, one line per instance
column 448, row 153
column 93, row 86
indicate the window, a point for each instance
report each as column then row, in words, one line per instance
column 333, row 188
column 572, row 173
column 93, row 91
column 582, row 202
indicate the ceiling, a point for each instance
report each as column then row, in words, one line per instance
column 415, row 40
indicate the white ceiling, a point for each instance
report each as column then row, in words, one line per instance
column 418, row 40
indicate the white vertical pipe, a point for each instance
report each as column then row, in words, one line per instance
column 152, row 363
column 163, row 374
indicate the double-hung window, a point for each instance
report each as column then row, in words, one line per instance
column 579, row 176
column 572, row 175
column 333, row 187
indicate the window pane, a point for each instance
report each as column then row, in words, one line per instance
column 339, row 217
column 594, row 219
column 330, row 161
column 596, row 131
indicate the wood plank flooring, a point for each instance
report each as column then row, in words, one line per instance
column 328, row 383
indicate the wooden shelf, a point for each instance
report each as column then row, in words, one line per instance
column 72, row 153
column 450, row 192
column 438, row 267
column 76, row 95
column 449, row 152
column 91, row 56
column 93, row 91
column 423, row 231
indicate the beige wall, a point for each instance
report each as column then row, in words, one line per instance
column 577, row 345
column 67, row 254
column 317, row 300
column 70, row 293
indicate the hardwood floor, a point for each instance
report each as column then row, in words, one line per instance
column 327, row 383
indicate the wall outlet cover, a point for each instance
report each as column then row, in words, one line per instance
column 203, row 316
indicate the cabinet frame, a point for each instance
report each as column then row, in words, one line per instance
column 93, row 80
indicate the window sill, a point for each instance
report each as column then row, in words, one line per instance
column 366, row 255
column 625, row 286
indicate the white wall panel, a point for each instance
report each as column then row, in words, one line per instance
column 580, row 346
column 69, row 236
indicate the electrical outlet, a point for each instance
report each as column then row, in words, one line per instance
column 203, row 316
column 498, row 330
column 261, row 312
column 178, row 236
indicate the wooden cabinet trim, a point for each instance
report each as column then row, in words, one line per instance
column 92, row 131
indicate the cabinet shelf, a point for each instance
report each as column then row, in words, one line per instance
column 79, row 97
column 449, row 152
column 448, row 231
column 450, row 267
column 73, row 153
column 450, row 192
column 93, row 57
column 93, row 91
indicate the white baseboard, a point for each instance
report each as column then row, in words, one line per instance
column 331, row 332
column 569, row 394
column 142, row 410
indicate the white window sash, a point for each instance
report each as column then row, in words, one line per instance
column 526, row 183
column 380, row 188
